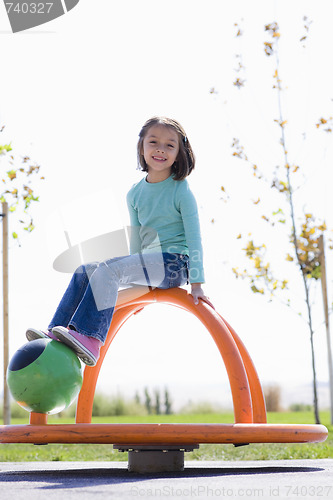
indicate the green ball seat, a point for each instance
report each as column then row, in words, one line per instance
column 44, row 376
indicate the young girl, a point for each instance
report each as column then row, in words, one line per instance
column 165, row 244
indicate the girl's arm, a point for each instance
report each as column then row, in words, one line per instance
column 190, row 216
column 135, row 241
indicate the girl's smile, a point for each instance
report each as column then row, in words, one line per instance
column 158, row 158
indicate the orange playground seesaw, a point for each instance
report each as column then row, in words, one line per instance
column 160, row 447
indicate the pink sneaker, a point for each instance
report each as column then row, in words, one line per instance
column 34, row 334
column 86, row 348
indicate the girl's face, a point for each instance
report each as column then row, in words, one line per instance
column 160, row 150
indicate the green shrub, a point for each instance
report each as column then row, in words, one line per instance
column 300, row 407
column 16, row 411
column 200, row 407
column 108, row 406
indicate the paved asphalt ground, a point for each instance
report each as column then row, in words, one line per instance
column 285, row 479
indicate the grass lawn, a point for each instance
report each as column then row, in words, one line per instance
column 104, row 452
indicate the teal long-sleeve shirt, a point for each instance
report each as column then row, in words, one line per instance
column 164, row 217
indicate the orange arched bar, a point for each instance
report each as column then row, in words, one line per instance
column 224, row 340
column 258, row 400
column 90, row 376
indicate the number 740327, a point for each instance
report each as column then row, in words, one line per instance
column 31, row 8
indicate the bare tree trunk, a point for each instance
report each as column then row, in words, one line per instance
column 315, row 394
column 327, row 322
column 295, row 243
column 307, row 301
column 6, row 401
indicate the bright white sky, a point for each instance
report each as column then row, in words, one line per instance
column 74, row 94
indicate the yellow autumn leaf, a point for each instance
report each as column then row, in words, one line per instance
column 254, row 289
column 257, row 262
column 11, row 174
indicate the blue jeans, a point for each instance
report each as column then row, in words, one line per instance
column 89, row 301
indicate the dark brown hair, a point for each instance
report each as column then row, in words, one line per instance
column 185, row 161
